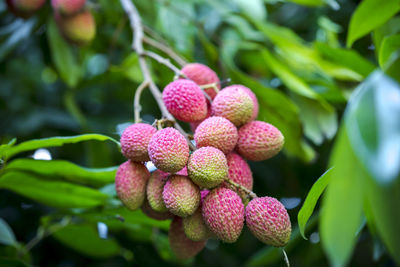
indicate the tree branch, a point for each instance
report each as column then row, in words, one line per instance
column 241, row 187
column 136, row 103
column 164, row 48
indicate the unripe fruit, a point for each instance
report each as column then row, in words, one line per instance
column 159, row 216
column 79, row 28
column 68, row 7
column 195, row 228
column 154, row 189
column 217, row 132
column 253, row 98
column 259, row 140
column 181, row 196
column 135, row 141
column 202, row 75
column 168, row 150
column 223, row 213
column 25, row 8
column 185, row 100
column 183, row 247
column 207, row 167
column 234, row 104
column 269, row 221
column 130, row 183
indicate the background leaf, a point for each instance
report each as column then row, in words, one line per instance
column 7, row 236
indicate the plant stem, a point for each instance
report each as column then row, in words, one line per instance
column 241, row 187
column 136, row 103
column 164, row 61
column 286, row 258
column 164, row 48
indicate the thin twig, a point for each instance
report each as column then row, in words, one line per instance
column 164, row 61
column 247, row 191
column 286, row 258
column 136, row 103
column 167, row 50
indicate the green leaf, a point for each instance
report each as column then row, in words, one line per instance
column 85, row 239
column 389, row 48
column 369, row 15
column 254, row 8
column 308, row 2
column 54, row 141
column 66, row 170
column 7, row 236
column 63, row 56
column 342, row 203
column 311, row 200
column 52, row 193
column 391, row 27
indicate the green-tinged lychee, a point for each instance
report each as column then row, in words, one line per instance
column 135, row 141
column 223, row 213
column 234, row 104
column 207, row 167
column 181, row 196
column 168, row 150
column 217, row 132
column 154, row 189
column 253, row 98
column 203, row 75
column 130, row 183
column 195, row 228
column 68, row 7
column 181, row 246
column 269, row 221
column 239, row 172
column 25, row 8
column 259, row 140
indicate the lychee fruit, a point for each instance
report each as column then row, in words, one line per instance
column 202, row 75
column 253, row 97
column 168, row 150
column 217, row 132
column 159, row 216
column 223, row 213
column 195, row 228
column 135, row 141
column 181, row 196
column 154, row 189
column 68, row 7
column 79, row 28
column 181, row 246
column 234, row 104
column 130, row 183
column 185, row 100
column 269, row 221
column 207, row 167
column 259, row 140
column 24, row 8
column 239, row 171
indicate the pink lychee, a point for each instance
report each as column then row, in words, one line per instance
column 253, row 98
column 68, row 7
column 202, row 75
column 135, row 141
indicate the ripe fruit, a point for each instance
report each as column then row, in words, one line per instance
column 194, row 226
column 239, row 171
column 269, row 221
column 202, row 75
column 217, row 132
column 223, row 213
column 259, row 140
column 253, row 98
column 68, row 7
column 185, row 100
column 130, row 183
column 181, row 196
column 183, row 247
column 154, row 189
column 207, row 167
column 160, row 216
column 234, row 104
column 79, row 28
column 168, row 150
column 135, row 140
column 25, row 8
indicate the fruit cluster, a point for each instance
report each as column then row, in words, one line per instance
column 206, row 192
column 74, row 20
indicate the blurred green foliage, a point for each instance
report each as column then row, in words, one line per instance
column 318, row 67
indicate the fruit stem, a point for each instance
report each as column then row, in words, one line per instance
column 166, row 62
column 286, row 258
column 136, row 103
column 137, row 45
column 238, row 186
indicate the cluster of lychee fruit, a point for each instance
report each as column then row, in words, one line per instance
column 206, row 192
column 73, row 18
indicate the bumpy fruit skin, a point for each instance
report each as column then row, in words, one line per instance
column 68, row 7
column 239, row 171
column 181, row 196
column 195, row 228
column 25, row 8
column 253, row 98
column 202, row 75
column 159, row 216
column 217, row 132
column 207, row 167
column 135, row 141
column 269, row 221
column 259, row 140
column 183, row 247
column 234, row 104
column 168, row 150
column 79, row 28
column 223, row 213
column 154, row 189
column 185, row 100
column 130, row 183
